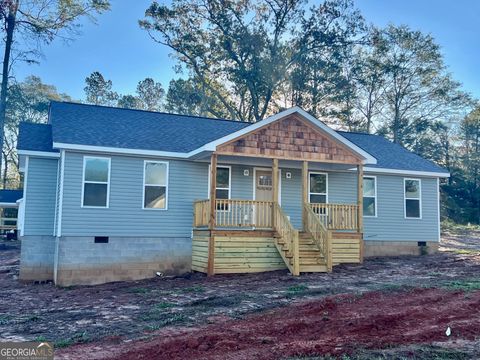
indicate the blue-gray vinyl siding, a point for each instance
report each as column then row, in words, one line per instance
column 390, row 223
column 40, row 196
column 188, row 181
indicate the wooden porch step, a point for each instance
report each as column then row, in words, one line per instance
column 310, row 252
column 313, row 268
column 346, row 235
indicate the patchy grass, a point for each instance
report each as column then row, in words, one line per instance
column 449, row 226
column 175, row 319
column 75, row 339
column 164, row 305
column 139, row 290
column 194, row 289
column 424, row 352
column 462, row 285
column 5, row 319
column 297, row 289
column 393, row 287
column 218, row 301
column 466, row 251
column 30, row 318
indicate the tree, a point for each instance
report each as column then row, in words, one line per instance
column 188, row 97
column 30, row 24
column 99, row 91
column 129, row 102
column 150, row 94
column 27, row 101
column 369, row 79
column 243, row 52
column 418, row 91
column 470, row 164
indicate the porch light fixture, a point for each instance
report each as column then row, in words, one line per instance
column 246, row 172
column 288, row 175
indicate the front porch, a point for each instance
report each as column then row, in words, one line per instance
column 264, row 231
column 239, row 235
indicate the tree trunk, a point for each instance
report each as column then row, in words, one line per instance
column 10, row 27
column 5, row 170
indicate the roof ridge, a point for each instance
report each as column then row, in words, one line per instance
column 148, row 111
column 34, row 123
column 359, row 133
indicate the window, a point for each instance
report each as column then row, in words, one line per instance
column 265, row 182
column 318, row 184
column 96, row 181
column 155, row 185
column 369, row 196
column 222, row 190
column 413, row 198
column 223, row 186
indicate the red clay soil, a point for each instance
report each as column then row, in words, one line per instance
column 336, row 325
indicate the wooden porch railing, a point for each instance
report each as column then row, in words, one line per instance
column 244, row 213
column 320, row 235
column 287, row 240
column 337, row 216
column 230, row 213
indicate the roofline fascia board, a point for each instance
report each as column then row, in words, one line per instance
column 38, row 153
column 9, row 204
column 211, row 146
column 123, row 151
column 404, row 172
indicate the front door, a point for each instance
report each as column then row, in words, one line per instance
column 263, row 185
column 263, row 192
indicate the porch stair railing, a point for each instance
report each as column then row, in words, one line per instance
column 286, row 240
column 321, row 237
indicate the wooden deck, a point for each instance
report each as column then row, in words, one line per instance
column 236, row 251
column 249, row 251
column 257, row 235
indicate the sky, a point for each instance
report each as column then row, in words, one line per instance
column 125, row 54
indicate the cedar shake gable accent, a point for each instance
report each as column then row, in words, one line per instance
column 292, row 138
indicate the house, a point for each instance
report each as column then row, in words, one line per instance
column 115, row 194
column 9, row 203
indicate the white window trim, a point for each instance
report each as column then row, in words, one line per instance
column 229, row 167
column 405, row 198
column 326, row 185
column 21, row 216
column 85, row 158
column 375, row 197
column 167, row 177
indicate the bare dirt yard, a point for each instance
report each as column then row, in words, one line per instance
column 386, row 308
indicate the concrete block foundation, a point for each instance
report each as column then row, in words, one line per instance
column 37, row 258
column 74, row 260
column 398, row 248
column 81, row 261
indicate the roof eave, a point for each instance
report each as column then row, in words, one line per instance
column 407, row 172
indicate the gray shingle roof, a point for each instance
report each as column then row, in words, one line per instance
column 10, row 196
column 35, row 137
column 390, row 155
column 82, row 124
column 134, row 129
